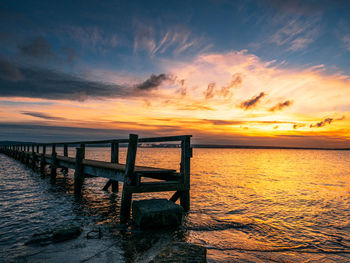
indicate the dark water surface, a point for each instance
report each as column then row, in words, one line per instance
column 246, row 205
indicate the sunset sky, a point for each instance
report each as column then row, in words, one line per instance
column 267, row 72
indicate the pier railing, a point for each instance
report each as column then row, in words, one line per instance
column 34, row 155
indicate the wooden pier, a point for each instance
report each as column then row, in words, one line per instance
column 34, row 156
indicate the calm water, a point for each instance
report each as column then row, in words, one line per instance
column 246, row 205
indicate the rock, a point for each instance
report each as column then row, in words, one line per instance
column 58, row 235
column 155, row 213
column 41, row 239
column 181, row 252
column 66, row 233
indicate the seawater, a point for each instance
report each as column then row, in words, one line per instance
column 246, row 205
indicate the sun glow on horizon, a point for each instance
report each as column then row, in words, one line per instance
column 233, row 94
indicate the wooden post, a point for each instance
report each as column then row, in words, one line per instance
column 16, row 152
column 129, row 179
column 114, row 159
column 186, row 154
column 65, row 150
column 42, row 161
column 79, row 170
column 53, row 172
column 27, row 156
column 83, row 147
column 65, row 153
column 33, row 158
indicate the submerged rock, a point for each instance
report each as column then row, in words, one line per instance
column 67, row 233
column 181, row 252
column 58, row 235
column 154, row 213
column 41, row 239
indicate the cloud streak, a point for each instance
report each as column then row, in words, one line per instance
column 38, row 48
column 17, row 81
column 251, row 103
column 322, row 123
column 176, row 39
column 20, row 81
column 281, row 105
column 297, row 33
column 42, row 115
column 326, row 121
column 153, row 82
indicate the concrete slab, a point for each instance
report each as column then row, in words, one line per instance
column 154, row 213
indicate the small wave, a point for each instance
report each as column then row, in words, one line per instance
column 236, row 211
column 299, row 249
column 218, row 226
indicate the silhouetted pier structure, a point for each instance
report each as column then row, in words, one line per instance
column 34, row 156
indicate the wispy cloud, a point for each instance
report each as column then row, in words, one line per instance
column 92, row 37
column 38, row 48
column 153, row 82
column 236, row 82
column 42, row 115
column 298, row 7
column 19, row 81
column 9, row 72
column 226, row 90
column 34, row 82
column 297, row 33
column 322, row 123
column 298, row 125
column 206, row 74
column 281, row 105
column 346, row 41
column 176, row 39
column 195, row 107
column 251, row 103
column 210, row 91
column 326, row 121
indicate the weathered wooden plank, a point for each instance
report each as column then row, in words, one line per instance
column 175, row 196
column 122, row 167
column 107, row 185
column 103, row 172
column 113, row 171
column 155, row 187
column 141, row 140
column 162, row 176
column 129, row 179
column 165, row 139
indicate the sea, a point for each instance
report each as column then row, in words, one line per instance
column 247, row 205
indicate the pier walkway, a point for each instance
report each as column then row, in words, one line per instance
column 34, row 155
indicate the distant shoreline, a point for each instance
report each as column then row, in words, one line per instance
column 204, row 146
column 213, row 146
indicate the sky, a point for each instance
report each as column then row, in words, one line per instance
column 267, row 72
